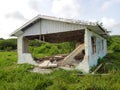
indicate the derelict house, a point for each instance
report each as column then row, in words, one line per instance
column 90, row 38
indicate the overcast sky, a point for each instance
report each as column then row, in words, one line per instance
column 14, row 13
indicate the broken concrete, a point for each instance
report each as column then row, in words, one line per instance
column 52, row 65
column 44, row 64
column 47, row 64
column 56, row 58
column 63, row 60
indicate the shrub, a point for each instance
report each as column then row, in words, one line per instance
column 116, row 47
column 8, row 44
column 51, row 49
column 114, row 43
column 36, row 43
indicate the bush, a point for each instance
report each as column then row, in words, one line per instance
column 36, row 43
column 116, row 47
column 114, row 43
column 8, row 44
column 47, row 49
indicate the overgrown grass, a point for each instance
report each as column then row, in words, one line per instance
column 48, row 49
column 111, row 63
column 8, row 44
column 18, row 77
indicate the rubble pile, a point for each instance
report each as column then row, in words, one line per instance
column 51, row 61
column 56, row 58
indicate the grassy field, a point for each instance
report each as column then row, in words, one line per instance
column 18, row 77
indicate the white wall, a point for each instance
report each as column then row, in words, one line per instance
column 23, row 57
column 93, row 58
column 89, row 58
column 84, row 65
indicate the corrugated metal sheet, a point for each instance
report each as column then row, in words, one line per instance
column 33, row 30
column 48, row 26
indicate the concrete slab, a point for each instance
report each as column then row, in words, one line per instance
column 52, row 65
column 44, row 64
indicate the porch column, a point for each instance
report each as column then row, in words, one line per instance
column 25, row 45
column 20, row 48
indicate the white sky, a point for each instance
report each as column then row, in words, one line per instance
column 14, row 13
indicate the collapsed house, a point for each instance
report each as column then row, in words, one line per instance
column 90, row 37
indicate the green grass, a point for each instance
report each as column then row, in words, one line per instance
column 48, row 49
column 18, row 77
column 111, row 63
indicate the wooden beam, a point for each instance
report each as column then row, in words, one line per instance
column 77, row 35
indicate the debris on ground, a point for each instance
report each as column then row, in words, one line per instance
column 54, row 59
column 47, row 64
column 97, row 68
column 44, row 64
column 41, row 70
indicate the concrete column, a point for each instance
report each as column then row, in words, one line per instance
column 20, row 48
column 23, row 56
column 87, row 46
column 20, row 45
column 25, row 45
column 84, row 65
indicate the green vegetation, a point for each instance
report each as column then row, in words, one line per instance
column 111, row 63
column 8, row 44
column 114, row 43
column 19, row 77
column 38, row 48
column 41, row 49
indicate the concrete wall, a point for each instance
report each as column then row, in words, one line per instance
column 84, row 65
column 48, row 26
column 93, row 58
column 23, row 55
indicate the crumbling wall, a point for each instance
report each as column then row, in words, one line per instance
column 99, row 53
column 23, row 55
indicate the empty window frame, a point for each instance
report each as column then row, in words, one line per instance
column 102, row 44
column 93, row 43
